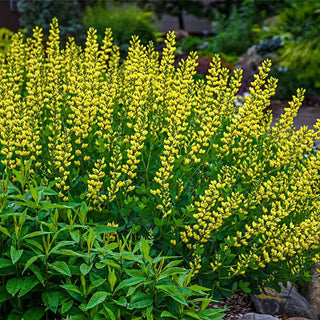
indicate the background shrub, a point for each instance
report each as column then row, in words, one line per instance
column 233, row 33
column 40, row 13
column 124, row 22
column 302, row 51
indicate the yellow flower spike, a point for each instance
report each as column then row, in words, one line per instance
column 95, row 184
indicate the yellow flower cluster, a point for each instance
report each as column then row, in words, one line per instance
column 95, row 184
column 111, row 237
column 179, row 103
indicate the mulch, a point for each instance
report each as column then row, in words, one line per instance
column 236, row 306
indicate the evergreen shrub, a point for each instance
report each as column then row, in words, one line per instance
column 40, row 13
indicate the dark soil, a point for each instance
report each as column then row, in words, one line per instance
column 236, row 307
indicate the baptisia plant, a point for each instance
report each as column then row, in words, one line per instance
column 166, row 158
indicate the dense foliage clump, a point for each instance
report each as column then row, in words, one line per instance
column 124, row 22
column 86, row 141
column 302, row 51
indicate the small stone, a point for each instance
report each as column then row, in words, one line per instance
column 257, row 316
column 288, row 302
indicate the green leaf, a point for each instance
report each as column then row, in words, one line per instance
column 140, row 300
column 61, row 244
column 14, row 285
column 150, row 313
column 174, row 293
column 172, row 264
column 15, row 254
column 61, row 267
column 96, row 299
column 85, row 269
column 198, row 289
column 28, row 284
column 75, row 235
column 33, row 245
column 71, row 253
column 212, row 314
column 53, row 206
column 18, row 176
column 145, row 248
column 30, row 262
column 66, row 306
column 4, row 263
column 108, row 229
column 130, row 282
column 234, row 286
column 95, row 284
column 35, row 234
column 134, row 273
column 110, row 313
column 171, row 271
column 47, row 191
column 5, row 231
column 37, row 273
column 167, row 314
column 112, row 278
column 109, row 262
column 244, row 286
column 51, row 300
column 34, row 193
column 71, row 287
column 191, row 314
column 121, row 301
column 14, row 316
column 132, row 290
column 29, row 204
column 4, row 295
column 35, row 313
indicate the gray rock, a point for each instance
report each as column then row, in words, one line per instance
column 297, row 318
column 288, row 302
column 257, row 316
column 311, row 290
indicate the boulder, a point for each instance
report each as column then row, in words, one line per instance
column 311, row 290
column 288, row 302
column 257, row 316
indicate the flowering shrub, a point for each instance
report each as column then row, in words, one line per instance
column 169, row 159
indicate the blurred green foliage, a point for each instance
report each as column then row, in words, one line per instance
column 288, row 81
column 40, row 13
column 233, row 33
column 302, row 51
column 124, row 22
column 262, row 8
column 177, row 8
